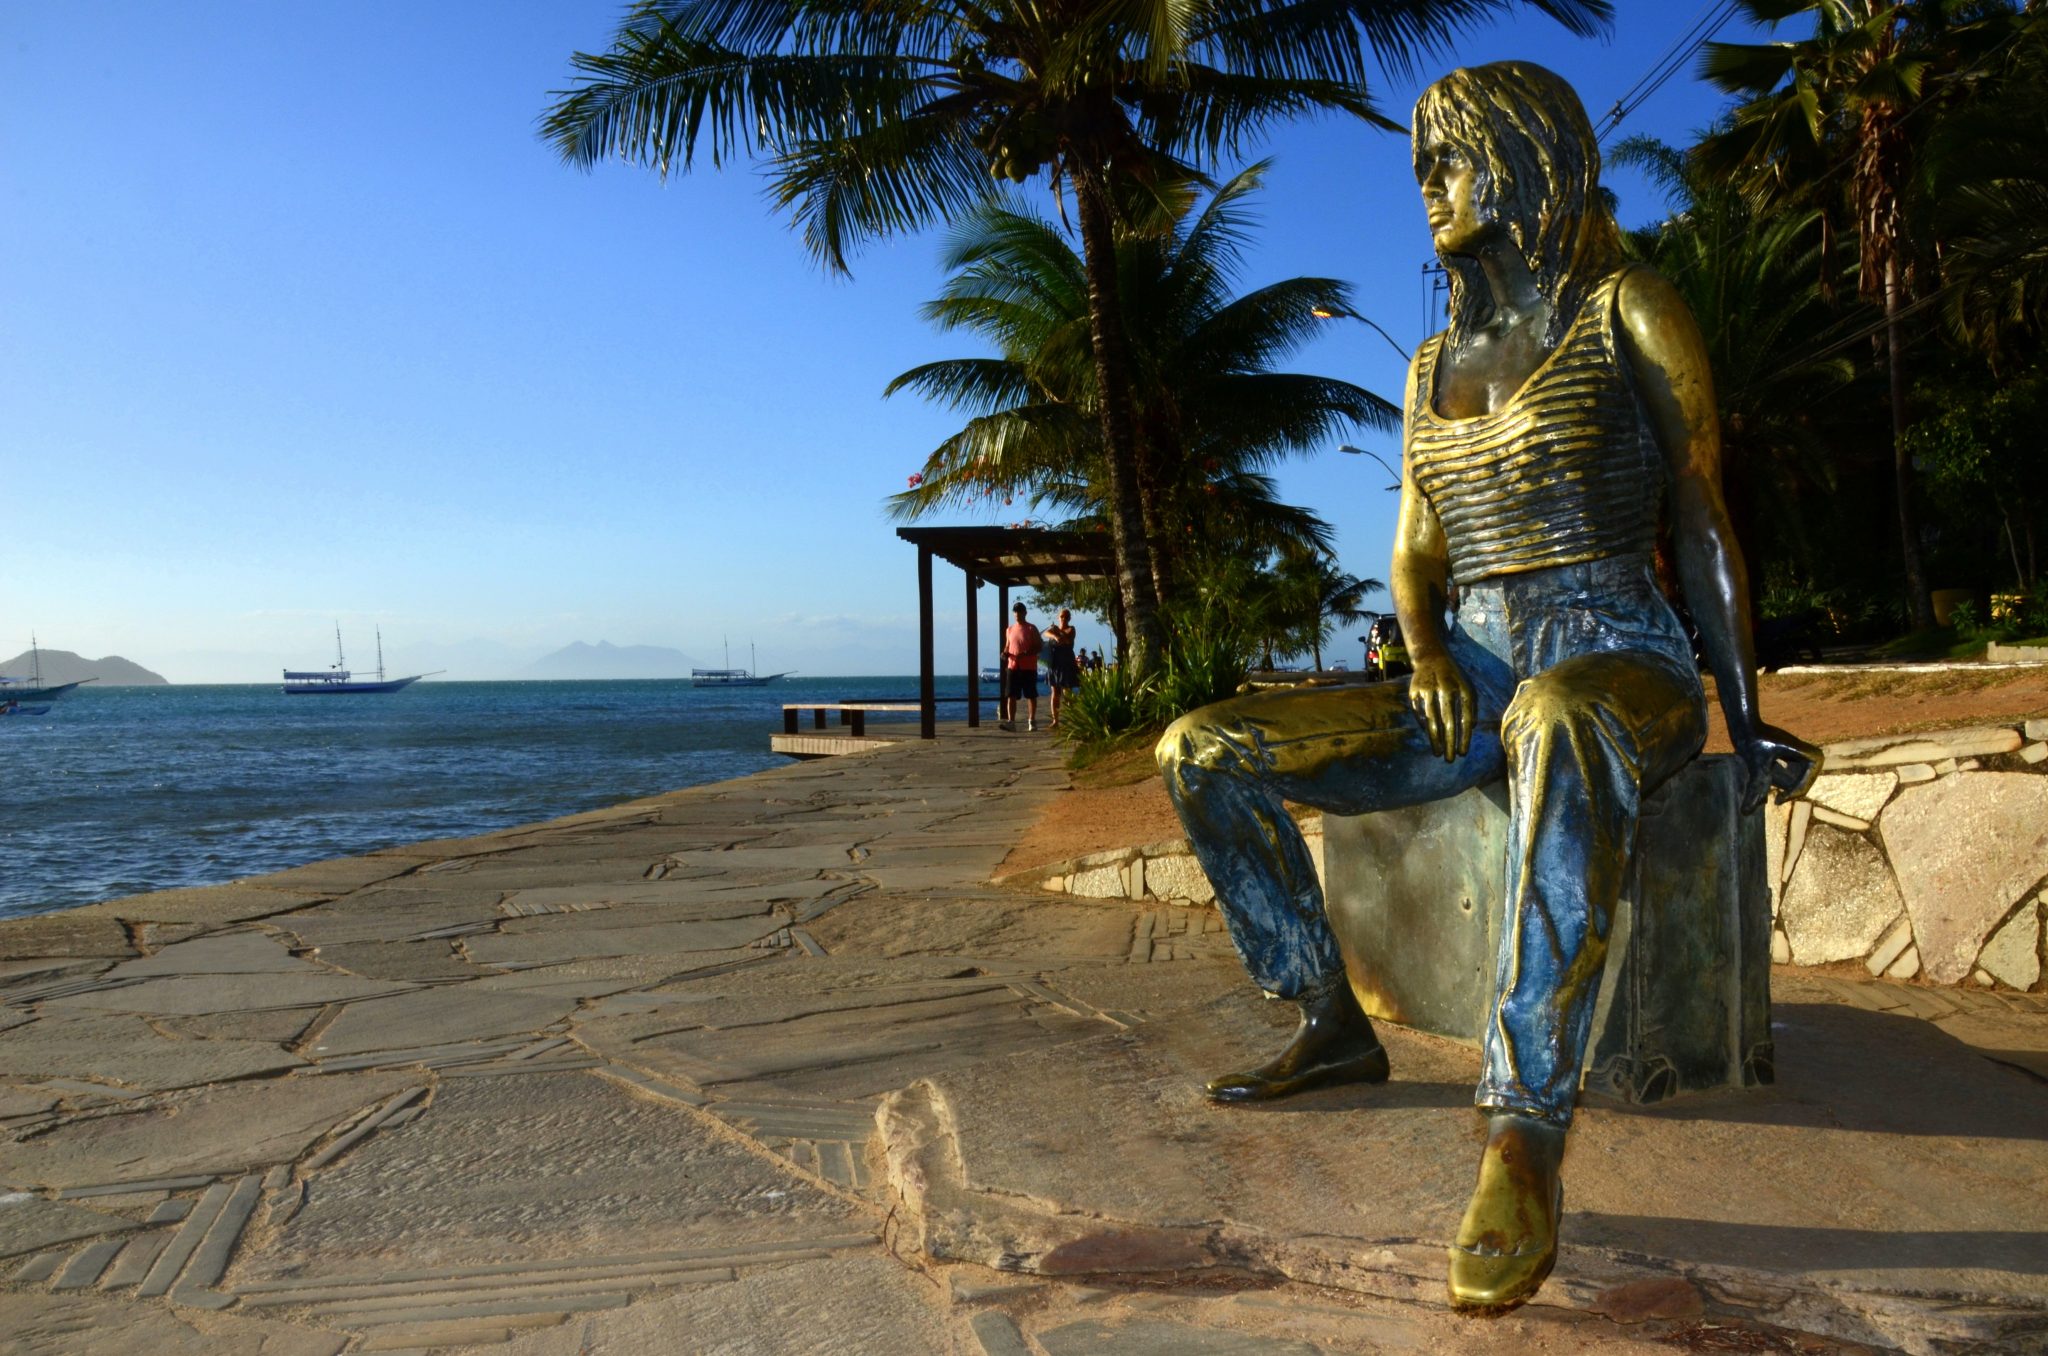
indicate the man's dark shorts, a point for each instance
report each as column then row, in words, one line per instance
column 1024, row 683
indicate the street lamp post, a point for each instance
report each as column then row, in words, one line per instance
column 1368, row 452
column 1345, row 312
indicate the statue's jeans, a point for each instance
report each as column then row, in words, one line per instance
column 1588, row 700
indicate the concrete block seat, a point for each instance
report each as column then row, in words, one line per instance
column 1417, row 896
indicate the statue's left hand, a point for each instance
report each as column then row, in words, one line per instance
column 1773, row 758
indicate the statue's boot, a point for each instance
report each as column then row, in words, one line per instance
column 1508, row 1241
column 1333, row 1044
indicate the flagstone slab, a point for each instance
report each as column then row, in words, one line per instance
column 89, row 1325
column 439, row 1015
column 411, row 962
column 568, row 943
column 1151, row 1337
column 685, row 898
column 30, row 1224
column 835, row 855
column 1966, row 848
column 391, row 914
column 86, row 932
column 997, row 923
column 211, row 904
column 217, row 1130
column 506, row 874
column 221, row 953
column 190, row 994
column 127, row 1050
column 279, row 1026
column 841, row 1306
column 541, row 1166
column 611, row 974
column 16, row 1102
column 335, row 876
column 851, row 1053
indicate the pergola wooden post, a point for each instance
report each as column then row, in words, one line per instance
column 1002, row 659
column 973, row 654
column 927, row 677
column 1008, row 557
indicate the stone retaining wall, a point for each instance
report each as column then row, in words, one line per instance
column 1919, row 855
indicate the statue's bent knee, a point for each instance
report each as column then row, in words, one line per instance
column 1197, row 739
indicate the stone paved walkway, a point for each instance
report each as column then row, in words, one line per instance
column 764, row 1067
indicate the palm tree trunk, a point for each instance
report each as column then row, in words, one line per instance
column 1918, row 600
column 1113, row 387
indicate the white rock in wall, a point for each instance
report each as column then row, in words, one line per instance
column 1965, row 849
column 1906, row 966
column 1795, row 837
column 1178, row 877
column 1777, row 819
column 1859, row 795
column 1098, row 882
column 1891, row 948
column 2013, row 955
column 1840, row 900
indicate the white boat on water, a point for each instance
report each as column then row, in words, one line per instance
column 731, row 677
column 30, row 696
column 337, row 680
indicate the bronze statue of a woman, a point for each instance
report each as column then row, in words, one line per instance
column 1568, row 405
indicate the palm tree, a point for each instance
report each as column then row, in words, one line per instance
column 1209, row 413
column 1750, row 279
column 1988, row 172
column 879, row 116
column 1317, row 596
column 1841, row 99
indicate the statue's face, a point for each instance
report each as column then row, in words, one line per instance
column 1461, row 219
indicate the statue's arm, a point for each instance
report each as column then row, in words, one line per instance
column 1438, row 691
column 1662, row 344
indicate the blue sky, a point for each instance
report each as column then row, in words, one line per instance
column 301, row 322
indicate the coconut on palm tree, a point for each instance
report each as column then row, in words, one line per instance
column 885, row 115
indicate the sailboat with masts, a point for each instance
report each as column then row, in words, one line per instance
column 732, row 677
column 16, row 691
column 338, row 680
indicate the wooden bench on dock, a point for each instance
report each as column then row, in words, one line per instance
column 852, row 714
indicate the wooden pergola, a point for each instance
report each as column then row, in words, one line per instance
column 1008, row 557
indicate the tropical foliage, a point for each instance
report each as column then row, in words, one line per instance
column 1829, row 123
column 878, row 116
column 1211, row 415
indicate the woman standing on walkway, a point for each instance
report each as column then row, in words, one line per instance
column 1567, row 404
column 1062, row 673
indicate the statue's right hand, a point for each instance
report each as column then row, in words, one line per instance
column 1445, row 704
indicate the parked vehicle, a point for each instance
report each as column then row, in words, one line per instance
column 1386, row 654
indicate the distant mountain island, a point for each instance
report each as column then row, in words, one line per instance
column 62, row 666
column 606, row 660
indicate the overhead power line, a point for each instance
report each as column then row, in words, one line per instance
column 1709, row 21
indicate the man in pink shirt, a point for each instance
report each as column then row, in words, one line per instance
column 1021, row 644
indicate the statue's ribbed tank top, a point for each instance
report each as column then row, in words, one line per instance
column 1565, row 472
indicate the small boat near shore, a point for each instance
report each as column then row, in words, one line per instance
column 730, row 677
column 338, row 681
column 29, row 696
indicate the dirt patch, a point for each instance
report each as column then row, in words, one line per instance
column 1118, row 801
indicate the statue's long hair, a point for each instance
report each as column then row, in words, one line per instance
column 1539, row 165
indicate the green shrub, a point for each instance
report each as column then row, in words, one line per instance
column 1107, row 706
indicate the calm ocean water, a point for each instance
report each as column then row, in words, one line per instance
column 120, row 790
